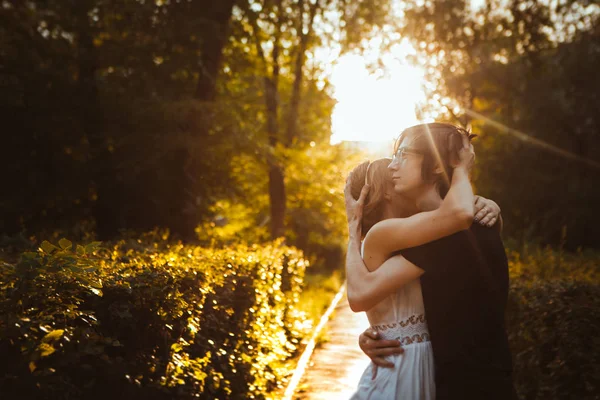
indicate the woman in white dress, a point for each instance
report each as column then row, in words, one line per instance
column 401, row 315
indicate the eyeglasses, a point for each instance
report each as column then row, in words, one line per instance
column 403, row 152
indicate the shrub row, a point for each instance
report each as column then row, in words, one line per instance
column 148, row 319
column 554, row 332
column 554, row 323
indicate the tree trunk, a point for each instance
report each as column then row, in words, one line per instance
column 277, row 196
column 217, row 15
column 299, row 70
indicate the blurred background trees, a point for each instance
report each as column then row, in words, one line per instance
column 528, row 66
column 128, row 115
column 213, row 119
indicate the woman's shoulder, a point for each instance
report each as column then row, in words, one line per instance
column 371, row 237
column 373, row 246
column 381, row 230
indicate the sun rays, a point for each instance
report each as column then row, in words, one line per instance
column 375, row 105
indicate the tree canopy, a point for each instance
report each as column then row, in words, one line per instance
column 130, row 114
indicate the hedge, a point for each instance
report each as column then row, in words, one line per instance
column 554, row 323
column 554, row 332
column 148, row 319
column 144, row 319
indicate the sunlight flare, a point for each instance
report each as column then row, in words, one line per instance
column 375, row 104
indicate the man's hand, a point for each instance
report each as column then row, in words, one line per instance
column 376, row 349
column 354, row 209
column 487, row 211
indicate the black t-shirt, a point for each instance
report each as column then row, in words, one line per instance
column 465, row 288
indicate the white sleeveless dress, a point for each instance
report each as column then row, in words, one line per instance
column 401, row 316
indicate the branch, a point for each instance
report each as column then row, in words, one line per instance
column 298, row 73
column 253, row 18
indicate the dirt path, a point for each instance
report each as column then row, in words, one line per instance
column 337, row 365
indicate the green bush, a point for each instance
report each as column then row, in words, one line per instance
column 534, row 263
column 553, row 321
column 148, row 319
column 554, row 332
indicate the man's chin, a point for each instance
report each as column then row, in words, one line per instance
column 405, row 191
column 398, row 188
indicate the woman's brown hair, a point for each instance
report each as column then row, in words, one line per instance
column 377, row 175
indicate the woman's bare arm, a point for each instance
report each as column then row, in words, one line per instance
column 366, row 288
column 454, row 215
column 369, row 288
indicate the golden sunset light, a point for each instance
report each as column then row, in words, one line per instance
column 375, row 105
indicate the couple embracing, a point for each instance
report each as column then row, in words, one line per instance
column 434, row 284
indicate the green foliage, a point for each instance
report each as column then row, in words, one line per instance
column 233, row 223
column 319, row 290
column 526, row 66
column 112, row 85
column 554, row 331
column 79, row 262
column 531, row 263
column 171, row 321
column 141, row 111
column 316, row 220
column 316, row 212
column 554, row 323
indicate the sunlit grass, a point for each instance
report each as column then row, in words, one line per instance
column 534, row 263
column 318, row 292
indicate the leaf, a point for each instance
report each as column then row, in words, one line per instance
column 96, row 283
column 29, row 255
column 32, row 366
column 53, row 336
column 48, row 247
column 65, row 244
column 80, row 250
column 91, row 247
column 90, row 268
column 176, row 347
column 46, row 349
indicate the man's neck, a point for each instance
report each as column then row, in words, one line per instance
column 429, row 200
column 388, row 211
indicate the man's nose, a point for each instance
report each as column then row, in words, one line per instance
column 393, row 165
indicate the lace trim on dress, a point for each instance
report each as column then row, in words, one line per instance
column 406, row 340
column 408, row 331
column 412, row 320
